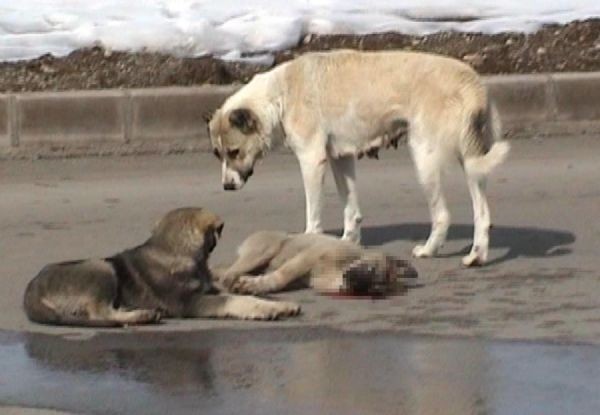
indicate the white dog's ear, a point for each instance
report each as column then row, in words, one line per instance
column 244, row 120
column 207, row 116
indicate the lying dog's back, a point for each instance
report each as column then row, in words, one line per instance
column 315, row 244
column 155, row 278
column 61, row 292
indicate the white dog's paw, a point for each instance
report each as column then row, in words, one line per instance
column 353, row 237
column 474, row 259
column 272, row 310
column 423, row 251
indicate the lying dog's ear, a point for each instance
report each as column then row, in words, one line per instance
column 244, row 120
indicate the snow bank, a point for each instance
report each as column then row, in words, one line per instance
column 29, row 28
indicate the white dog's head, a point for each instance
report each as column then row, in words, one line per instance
column 236, row 141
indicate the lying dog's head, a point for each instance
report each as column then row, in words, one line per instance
column 188, row 231
column 236, row 138
column 376, row 274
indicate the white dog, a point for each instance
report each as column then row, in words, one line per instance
column 337, row 105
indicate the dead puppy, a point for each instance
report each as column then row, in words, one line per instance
column 273, row 261
column 166, row 276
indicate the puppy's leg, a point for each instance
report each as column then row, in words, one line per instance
column 103, row 311
column 241, row 307
column 88, row 312
column 481, row 218
column 312, row 165
column 291, row 270
column 343, row 169
column 254, row 253
column 428, row 165
column 130, row 317
column 81, row 293
column 328, row 282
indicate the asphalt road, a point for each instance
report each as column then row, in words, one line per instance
column 542, row 283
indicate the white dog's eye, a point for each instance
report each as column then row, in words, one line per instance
column 233, row 153
column 217, row 154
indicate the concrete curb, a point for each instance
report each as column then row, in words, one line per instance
column 529, row 105
column 547, row 104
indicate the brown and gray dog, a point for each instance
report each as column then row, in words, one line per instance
column 270, row 261
column 166, row 276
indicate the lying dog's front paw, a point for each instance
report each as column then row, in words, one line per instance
column 287, row 309
column 227, row 282
column 148, row 316
column 247, row 285
column 272, row 310
column 157, row 315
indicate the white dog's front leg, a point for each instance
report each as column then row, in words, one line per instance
column 313, row 175
column 345, row 180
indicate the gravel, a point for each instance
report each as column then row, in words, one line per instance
column 554, row 48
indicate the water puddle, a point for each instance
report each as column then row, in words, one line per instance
column 295, row 371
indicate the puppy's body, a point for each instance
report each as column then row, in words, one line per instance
column 165, row 276
column 338, row 105
column 271, row 261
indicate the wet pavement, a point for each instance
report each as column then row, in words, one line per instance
column 541, row 287
column 542, row 282
column 295, row 371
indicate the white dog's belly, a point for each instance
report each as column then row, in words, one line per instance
column 337, row 147
column 361, row 137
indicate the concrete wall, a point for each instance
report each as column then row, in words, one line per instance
column 70, row 116
column 167, row 112
column 548, row 104
column 4, row 120
column 529, row 105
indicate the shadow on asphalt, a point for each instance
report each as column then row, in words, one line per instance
column 520, row 242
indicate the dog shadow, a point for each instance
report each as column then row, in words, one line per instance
column 520, row 241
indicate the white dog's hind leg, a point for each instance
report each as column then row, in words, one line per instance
column 481, row 219
column 313, row 174
column 343, row 169
column 429, row 165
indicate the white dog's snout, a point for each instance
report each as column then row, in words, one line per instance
column 232, row 180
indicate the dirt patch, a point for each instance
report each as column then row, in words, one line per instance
column 554, row 48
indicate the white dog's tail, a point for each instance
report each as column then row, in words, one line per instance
column 482, row 166
column 487, row 132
